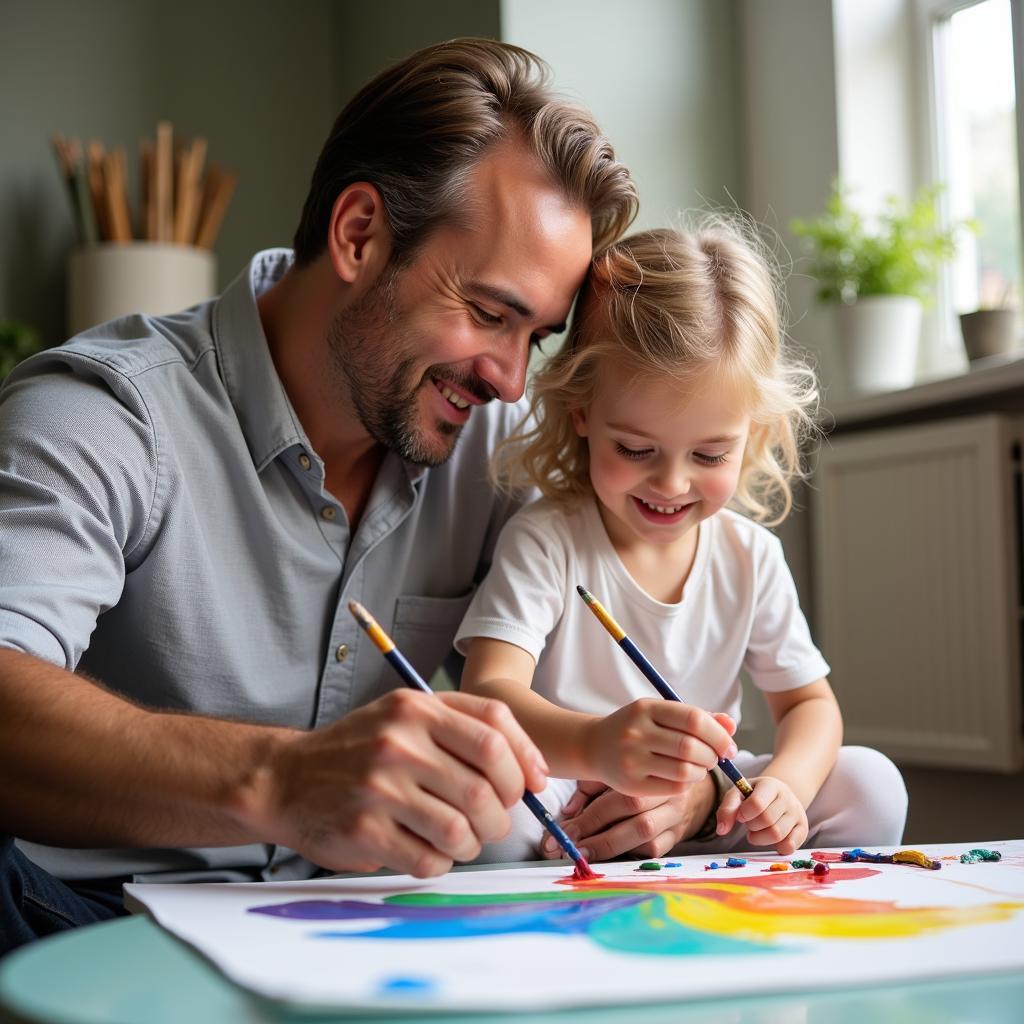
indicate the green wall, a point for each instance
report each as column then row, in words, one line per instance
column 263, row 81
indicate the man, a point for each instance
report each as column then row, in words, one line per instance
column 188, row 503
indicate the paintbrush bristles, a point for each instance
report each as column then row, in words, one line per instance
column 603, row 615
column 361, row 615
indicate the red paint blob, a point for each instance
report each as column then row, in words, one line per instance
column 830, row 858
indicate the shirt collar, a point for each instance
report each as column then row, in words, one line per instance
column 264, row 411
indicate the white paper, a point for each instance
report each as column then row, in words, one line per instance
column 638, row 936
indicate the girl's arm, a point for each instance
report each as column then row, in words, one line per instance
column 501, row 670
column 650, row 747
column 808, row 734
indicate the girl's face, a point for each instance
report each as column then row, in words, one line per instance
column 661, row 460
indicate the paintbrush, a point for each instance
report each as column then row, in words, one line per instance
column 657, row 679
column 412, row 678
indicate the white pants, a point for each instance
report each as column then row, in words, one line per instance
column 863, row 802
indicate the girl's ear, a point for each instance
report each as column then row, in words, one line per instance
column 579, row 421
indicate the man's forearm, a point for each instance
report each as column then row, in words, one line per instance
column 83, row 767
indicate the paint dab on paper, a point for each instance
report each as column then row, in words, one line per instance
column 736, row 862
column 649, row 865
column 821, row 870
column 973, row 856
column 778, row 866
column 915, row 857
column 402, row 986
column 806, row 865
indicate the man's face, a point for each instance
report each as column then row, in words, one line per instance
column 453, row 329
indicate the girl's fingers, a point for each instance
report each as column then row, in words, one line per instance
column 697, row 724
column 727, row 722
column 673, row 770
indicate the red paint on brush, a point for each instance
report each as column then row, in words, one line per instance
column 583, row 872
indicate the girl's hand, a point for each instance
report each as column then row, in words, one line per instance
column 772, row 814
column 655, row 747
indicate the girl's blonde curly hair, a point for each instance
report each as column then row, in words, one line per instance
column 689, row 306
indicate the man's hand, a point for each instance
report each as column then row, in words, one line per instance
column 605, row 824
column 772, row 815
column 410, row 782
column 653, row 747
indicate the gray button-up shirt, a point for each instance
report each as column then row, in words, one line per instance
column 164, row 527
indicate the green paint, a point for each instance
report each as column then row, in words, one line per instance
column 807, row 864
column 649, row 865
column 973, row 856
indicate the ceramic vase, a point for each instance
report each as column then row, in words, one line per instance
column 114, row 279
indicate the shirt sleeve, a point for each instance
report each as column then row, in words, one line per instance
column 77, row 486
column 523, row 595
column 780, row 653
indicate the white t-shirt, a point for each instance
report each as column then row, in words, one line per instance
column 739, row 609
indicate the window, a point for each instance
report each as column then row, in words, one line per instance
column 975, row 147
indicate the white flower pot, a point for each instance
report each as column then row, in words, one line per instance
column 878, row 338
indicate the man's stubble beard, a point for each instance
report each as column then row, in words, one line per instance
column 363, row 342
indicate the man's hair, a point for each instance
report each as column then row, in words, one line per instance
column 417, row 130
column 687, row 307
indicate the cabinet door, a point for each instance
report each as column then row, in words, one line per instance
column 917, row 568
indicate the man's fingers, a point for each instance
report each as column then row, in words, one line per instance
column 380, row 840
column 446, row 829
column 496, row 745
column 726, row 814
column 584, row 793
column 634, row 832
column 468, row 795
column 606, row 810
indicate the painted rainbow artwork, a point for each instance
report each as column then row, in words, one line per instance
column 664, row 916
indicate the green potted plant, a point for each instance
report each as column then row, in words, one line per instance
column 877, row 274
column 17, row 342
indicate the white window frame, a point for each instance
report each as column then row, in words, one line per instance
column 928, row 15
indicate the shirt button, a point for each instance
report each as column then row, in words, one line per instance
column 327, row 512
column 341, row 653
column 304, row 461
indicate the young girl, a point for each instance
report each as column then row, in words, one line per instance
column 671, row 399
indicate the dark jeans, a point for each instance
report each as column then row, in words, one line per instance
column 34, row 904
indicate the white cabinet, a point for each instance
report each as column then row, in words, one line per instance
column 917, row 589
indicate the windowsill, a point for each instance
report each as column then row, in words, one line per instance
column 979, row 389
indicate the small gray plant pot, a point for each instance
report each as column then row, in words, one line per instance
column 989, row 332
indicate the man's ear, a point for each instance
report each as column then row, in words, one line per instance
column 579, row 421
column 359, row 240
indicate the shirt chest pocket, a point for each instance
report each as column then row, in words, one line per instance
column 424, row 628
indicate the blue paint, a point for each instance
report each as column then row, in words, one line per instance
column 736, row 862
column 673, row 864
column 400, row 986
